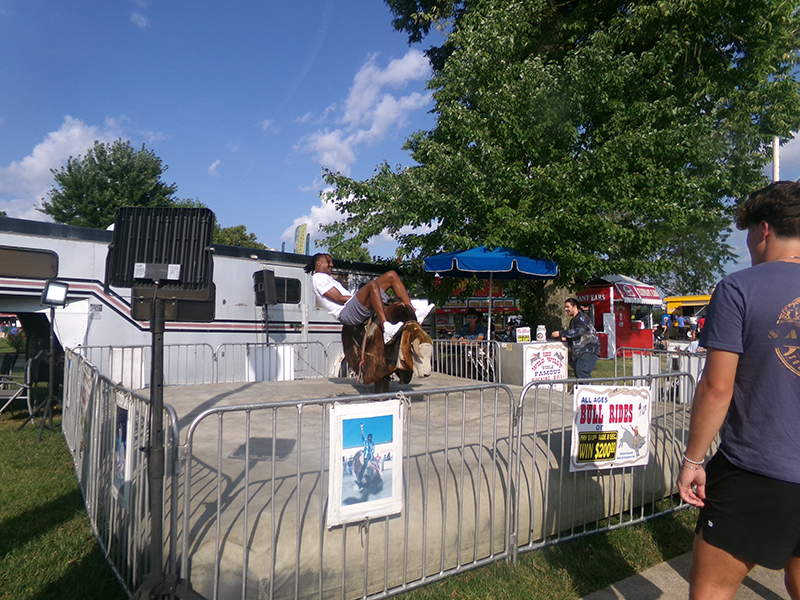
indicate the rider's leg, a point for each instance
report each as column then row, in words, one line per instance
column 391, row 280
column 369, row 295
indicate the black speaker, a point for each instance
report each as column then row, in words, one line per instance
column 168, row 248
column 264, row 287
column 193, row 307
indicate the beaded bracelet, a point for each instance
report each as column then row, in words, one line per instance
column 694, row 462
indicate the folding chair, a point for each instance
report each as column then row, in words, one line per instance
column 15, row 388
column 7, row 365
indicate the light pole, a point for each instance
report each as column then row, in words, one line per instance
column 54, row 294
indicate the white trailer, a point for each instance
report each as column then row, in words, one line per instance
column 96, row 316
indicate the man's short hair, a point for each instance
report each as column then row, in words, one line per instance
column 778, row 204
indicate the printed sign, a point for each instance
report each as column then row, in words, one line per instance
column 611, row 427
column 122, row 458
column 366, row 466
column 523, row 334
column 545, row 361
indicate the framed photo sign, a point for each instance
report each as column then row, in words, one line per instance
column 366, row 467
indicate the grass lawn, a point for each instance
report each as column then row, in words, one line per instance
column 47, row 550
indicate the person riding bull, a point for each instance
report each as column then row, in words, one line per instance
column 355, row 307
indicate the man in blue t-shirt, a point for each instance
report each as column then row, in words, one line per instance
column 749, row 492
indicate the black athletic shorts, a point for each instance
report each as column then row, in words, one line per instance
column 753, row 517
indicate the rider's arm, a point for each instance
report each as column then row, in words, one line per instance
column 336, row 296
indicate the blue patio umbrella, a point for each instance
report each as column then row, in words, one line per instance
column 498, row 263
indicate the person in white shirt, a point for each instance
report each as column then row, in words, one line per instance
column 355, row 307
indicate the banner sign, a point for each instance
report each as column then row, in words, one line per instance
column 300, row 239
column 611, row 427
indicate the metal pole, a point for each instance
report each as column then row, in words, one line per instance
column 155, row 451
column 776, row 158
column 157, row 583
column 48, row 403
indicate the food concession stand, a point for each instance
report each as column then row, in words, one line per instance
column 612, row 300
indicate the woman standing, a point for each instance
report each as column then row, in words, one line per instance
column 581, row 338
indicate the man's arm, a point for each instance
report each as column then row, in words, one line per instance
column 336, row 296
column 710, row 406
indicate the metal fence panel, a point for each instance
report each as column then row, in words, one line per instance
column 556, row 504
column 470, row 360
column 184, row 364
column 104, row 426
column 287, row 361
column 256, row 481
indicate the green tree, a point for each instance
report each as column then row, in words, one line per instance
column 237, row 235
column 610, row 137
column 90, row 189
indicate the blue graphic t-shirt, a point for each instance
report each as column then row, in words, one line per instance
column 756, row 314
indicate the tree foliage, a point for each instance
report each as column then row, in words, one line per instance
column 610, row 137
column 90, row 189
column 236, row 235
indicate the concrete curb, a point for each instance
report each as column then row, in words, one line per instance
column 670, row 581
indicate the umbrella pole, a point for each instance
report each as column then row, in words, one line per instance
column 489, row 324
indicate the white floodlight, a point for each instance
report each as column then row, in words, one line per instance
column 55, row 293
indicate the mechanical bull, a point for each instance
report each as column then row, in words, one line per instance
column 407, row 355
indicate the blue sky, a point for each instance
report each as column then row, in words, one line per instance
column 244, row 101
column 379, row 427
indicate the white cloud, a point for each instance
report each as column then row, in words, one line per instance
column 306, row 118
column 326, row 212
column 212, row 170
column 321, row 214
column 140, row 20
column 152, row 137
column 370, row 112
column 332, row 149
column 25, row 182
column 370, row 81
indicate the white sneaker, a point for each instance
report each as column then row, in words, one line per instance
column 422, row 312
column 390, row 331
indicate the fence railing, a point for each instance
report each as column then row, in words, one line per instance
column 556, row 504
column 638, row 362
column 194, row 364
column 270, row 362
column 104, row 426
column 485, row 476
column 478, row 360
column 256, row 477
